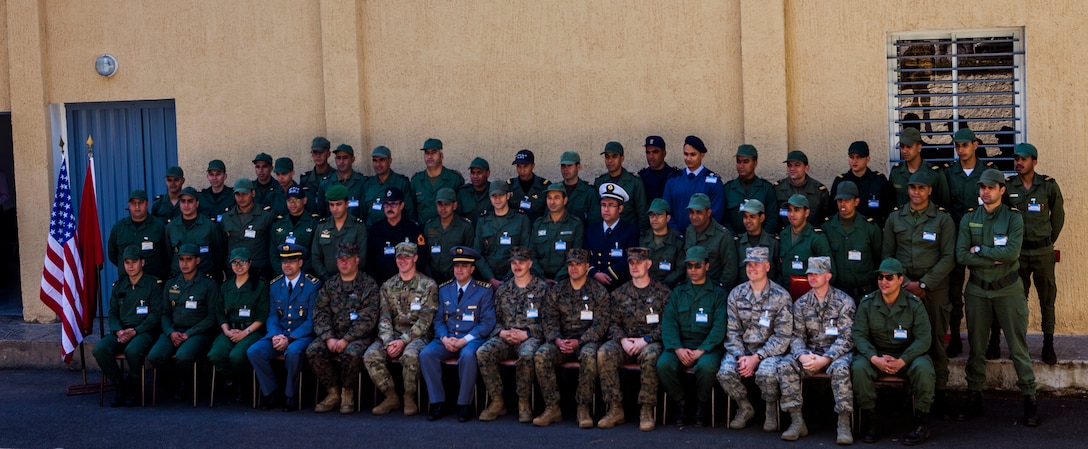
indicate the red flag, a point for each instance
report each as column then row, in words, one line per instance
column 62, row 275
column 89, row 239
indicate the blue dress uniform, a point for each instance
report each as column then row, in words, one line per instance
column 289, row 315
column 471, row 317
column 608, row 247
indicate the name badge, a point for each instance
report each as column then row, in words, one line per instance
column 353, row 316
column 664, row 266
column 388, row 251
column 929, row 236
column 147, row 246
column 469, row 316
column 764, row 321
column 831, row 331
column 204, row 250
column 505, row 240
column 141, row 310
column 853, row 255
column 436, row 249
column 243, row 312
column 560, row 246
column 250, row 234
column 740, row 206
column 190, row 304
column 783, row 212
column 353, row 203
column 541, row 232
column 1035, row 207
column 1001, row 240
column 531, row 313
column 701, row 317
column 711, row 179
column 1014, row 195
column 219, row 218
column 797, row 265
column 416, row 306
column 290, row 239
column 377, row 204
column 874, row 204
column 615, row 252
column 525, row 204
column 653, row 318
column 586, row 315
column 899, row 334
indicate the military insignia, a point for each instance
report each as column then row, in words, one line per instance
column 460, row 251
column 388, row 193
column 420, row 240
column 279, row 230
column 325, row 233
column 309, row 229
column 610, row 187
column 285, row 248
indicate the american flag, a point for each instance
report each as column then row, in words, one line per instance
column 62, row 276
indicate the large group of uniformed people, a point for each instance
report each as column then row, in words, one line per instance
column 672, row 270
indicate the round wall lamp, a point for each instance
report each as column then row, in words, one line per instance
column 106, row 65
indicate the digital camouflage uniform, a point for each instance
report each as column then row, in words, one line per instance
column 747, row 333
column 635, row 313
column 407, row 309
column 513, row 307
column 348, row 311
column 563, row 318
column 667, row 256
column 744, row 240
column 813, row 321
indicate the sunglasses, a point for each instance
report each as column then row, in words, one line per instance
column 693, row 265
column 885, row 277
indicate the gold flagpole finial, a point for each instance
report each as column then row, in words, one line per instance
column 90, row 144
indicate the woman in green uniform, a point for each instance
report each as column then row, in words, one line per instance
column 241, row 312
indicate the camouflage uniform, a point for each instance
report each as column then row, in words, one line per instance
column 744, row 240
column 563, row 308
column 745, row 336
column 812, row 320
column 630, row 309
column 407, row 311
column 344, row 310
column 512, row 304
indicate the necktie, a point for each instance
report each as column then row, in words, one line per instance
column 460, row 293
column 608, row 232
column 691, row 175
column 290, row 288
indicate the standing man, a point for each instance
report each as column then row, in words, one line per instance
column 798, row 182
column 798, row 242
column 527, row 189
column 381, row 159
column 463, row 321
column 553, row 234
column 748, row 186
column 134, row 325
column 582, row 199
column 695, row 178
column 496, row 233
column 386, row 234
column 876, row 194
column 191, row 227
column 517, row 335
column 753, row 216
column 166, row 207
column 263, row 184
column 248, row 225
column 445, row 232
column 634, row 337
column 989, row 244
column 144, row 232
column 892, row 334
column 473, row 198
column 290, row 327
column 345, row 323
column 284, row 172
column 692, row 330
column 823, row 321
column 408, row 301
column 575, row 321
column 910, row 150
column 353, row 181
column 657, row 171
column 704, row 231
column 338, row 227
column 757, row 338
column 322, row 171
column 217, row 198
column 855, row 243
column 609, row 239
column 295, row 228
column 1041, row 205
column 634, row 211
column 665, row 246
column 426, row 183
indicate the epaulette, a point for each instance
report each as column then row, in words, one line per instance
column 157, row 197
column 876, row 172
column 895, row 209
column 445, row 283
column 546, row 182
column 510, row 182
column 827, row 218
column 971, row 209
column 940, row 208
column 226, row 209
column 989, row 163
column 158, row 281
column 869, row 219
column 315, row 216
column 938, row 167
column 484, row 284
column 114, row 284
column 842, row 176
column 775, row 183
column 897, row 164
column 465, row 219
column 307, row 173
column 209, row 276
column 822, row 187
column 275, row 279
column 279, row 217
column 168, row 220
column 736, row 238
column 1014, row 209
column 323, row 220
column 358, row 220
column 483, row 213
column 1009, row 179
column 267, row 208
column 775, row 236
column 722, row 227
column 313, row 279
column 1049, row 179
column 817, row 230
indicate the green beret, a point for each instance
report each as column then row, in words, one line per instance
column 336, row 193
column 921, row 177
column 753, row 206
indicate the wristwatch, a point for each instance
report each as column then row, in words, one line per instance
column 923, row 286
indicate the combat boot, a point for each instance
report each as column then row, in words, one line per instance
column 646, row 418
column 614, row 416
column 797, row 427
column 955, row 346
column 745, row 412
column 1031, row 411
column 1049, row 357
column 494, row 410
column 770, row 422
column 525, row 411
column 941, row 407
column 972, row 408
column 551, row 415
column 347, row 401
column 919, row 432
column 845, row 437
column 585, row 419
column 391, row 402
column 331, row 401
column 872, row 430
column 703, row 412
column 410, row 406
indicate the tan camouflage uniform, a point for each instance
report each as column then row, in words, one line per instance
column 407, row 310
column 812, row 320
column 630, row 306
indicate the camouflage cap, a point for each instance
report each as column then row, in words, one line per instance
column 910, row 136
column 445, row 195
column 381, row 151
column 757, row 254
column 819, row 265
column 638, row 253
column 660, row 206
column 336, row 193
column 406, row 249
column 132, row 252
column 890, row 265
column 964, row 135
column 696, row 254
column 991, row 178
column 847, row 191
column 216, row 164
column 188, row 249
column 521, row 253
column 346, row 249
column 798, row 200
column 753, row 206
column 578, row 255
column 239, row 253
column 320, row 144
column 175, row 172
column 263, row 157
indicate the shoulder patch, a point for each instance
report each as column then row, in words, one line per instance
column 483, row 283
column 277, row 278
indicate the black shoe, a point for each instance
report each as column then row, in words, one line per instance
column 702, row 414
column 118, row 395
column 681, row 413
column 955, row 346
column 268, row 402
column 919, row 432
column 290, row 404
column 436, row 412
column 1049, row 357
column 464, row 413
column 942, row 408
column 993, row 348
column 872, row 432
column 972, row 408
column 1031, row 411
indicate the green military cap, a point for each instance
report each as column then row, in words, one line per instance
column 284, row 165
column 381, row 151
column 613, row 148
column 638, row 253
column 239, row 253
column 797, row 156
column 910, row 136
column 464, row 254
column 798, row 200
column 445, row 195
column 292, row 251
column 747, row 150
column 921, row 177
column 480, row 163
column 757, row 254
column 699, row 201
column 556, row 187
column 137, row 194
column 189, row 191
column 175, row 172
column 432, row 144
column 819, row 265
column 1025, row 150
column 243, row 185
column 578, row 255
column 345, row 148
column 696, row 254
column 570, row 158
column 347, row 249
column 753, row 206
column 132, row 252
column 660, row 206
column 964, row 135
column 406, row 249
column 336, row 193
column 263, row 157
column 521, row 253
column 890, row 265
column 216, row 164
column 860, row 148
column 499, row 188
column 188, row 249
column 991, row 178
column 847, row 191
column 320, row 144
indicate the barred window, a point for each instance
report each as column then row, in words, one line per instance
column 941, row 82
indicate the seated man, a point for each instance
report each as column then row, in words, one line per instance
column 134, row 322
column 465, row 317
column 823, row 320
column 892, row 335
column 345, row 322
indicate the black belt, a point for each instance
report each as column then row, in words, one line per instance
column 1036, row 244
column 995, row 285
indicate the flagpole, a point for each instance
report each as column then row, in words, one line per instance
column 98, row 267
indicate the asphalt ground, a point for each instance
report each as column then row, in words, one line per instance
column 35, row 412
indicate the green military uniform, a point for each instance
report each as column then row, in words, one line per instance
column 744, row 240
column 327, row 237
column 515, row 308
column 298, row 230
column 277, row 199
column 899, row 177
column 250, row 230
column 164, row 209
column 719, row 245
column 238, row 307
column 794, row 251
column 572, row 314
column 424, row 188
column 407, row 309
column 879, row 330
column 263, row 191
column 634, row 313
column 472, row 203
column 738, row 191
column 374, row 190
column 187, row 308
column 855, row 253
column 963, row 194
column 667, row 254
column 549, row 241
column 347, row 310
column 1043, row 210
column 583, row 201
column 694, row 318
column 208, row 238
column 530, row 201
column 149, row 236
column 495, row 236
column 312, row 181
column 355, row 184
column 635, row 208
column 819, row 200
column 132, row 306
column 214, row 205
column 439, row 240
